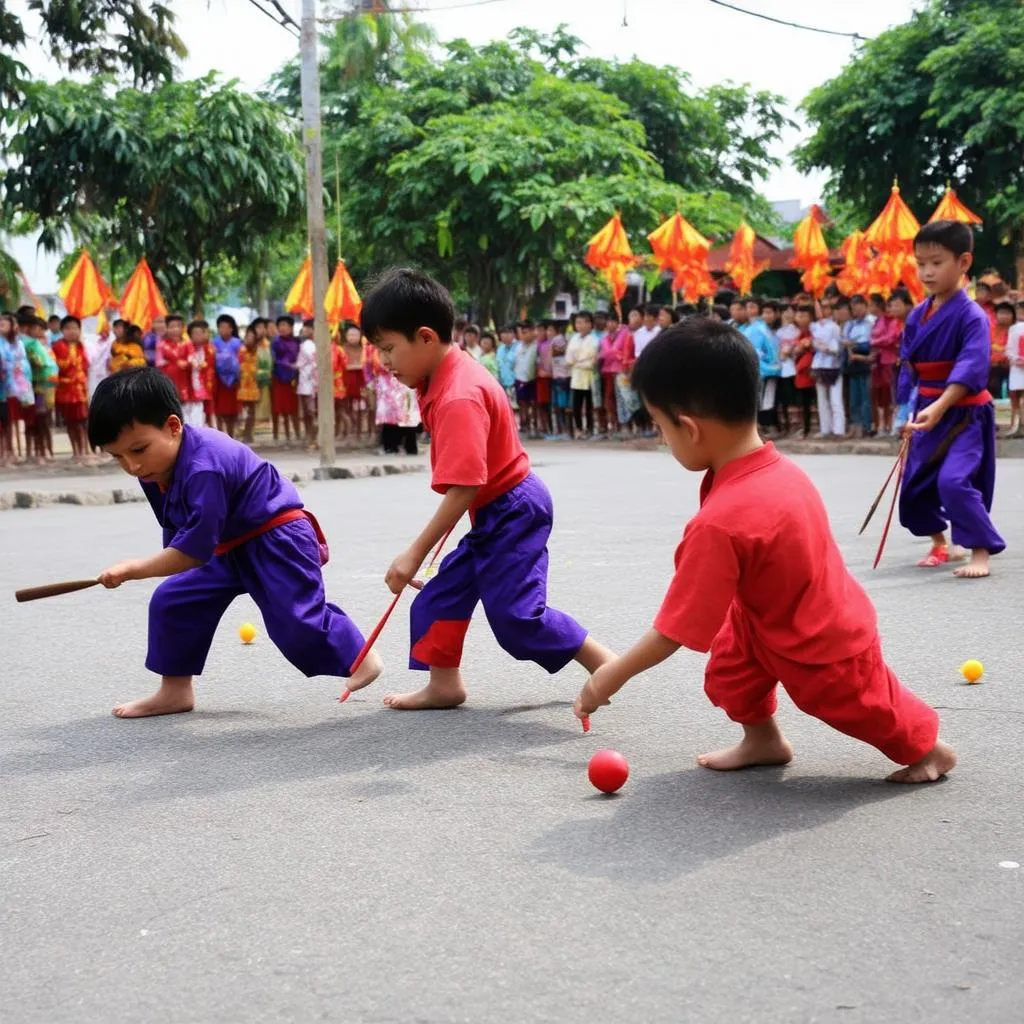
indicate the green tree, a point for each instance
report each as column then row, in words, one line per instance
column 127, row 38
column 934, row 101
column 184, row 174
column 493, row 171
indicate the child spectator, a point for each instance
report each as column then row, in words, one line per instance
column 1015, row 353
column 226, row 349
column 264, row 370
column 856, row 339
column 97, row 349
column 356, row 403
column 827, row 370
column 73, row 386
column 126, row 351
column 1006, row 317
column 667, row 316
column 232, row 525
column 526, row 378
column 151, row 341
column 44, row 386
column 649, row 330
column 489, row 353
column 610, row 355
column 173, row 357
column 759, row 579
column 561, row 383
column 306, row 383
column 766, row 345
column 284, row 402
column 338, row 383
column 16, row 371
column 899, row 308
column 202, row 375
column 627, row 401
column 544, row 370
column 471, row 341
column 507, row 362
column 786, row 332
column 398, row 412
column 596, row 384
column 802, row 353
column 581, row 357
column 248, row 383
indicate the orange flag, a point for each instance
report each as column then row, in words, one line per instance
column 142, row 302
column 84, row 292
column 609, row 252
column 950, row 208
column 892, row 235
column 741, row 265
column 342, row 301
column 678, row 246
column 854, row 278
column 810, row 252
column 300, row 298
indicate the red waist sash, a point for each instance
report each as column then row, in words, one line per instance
column 288, row 516
column 938, row 371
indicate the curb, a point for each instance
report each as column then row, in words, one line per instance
column 126, row 496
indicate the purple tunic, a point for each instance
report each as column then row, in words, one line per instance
column 219, row 491
column 286, row 358
column 951, row 470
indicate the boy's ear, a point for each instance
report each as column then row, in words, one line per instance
column 427, row 335
column 966, row 261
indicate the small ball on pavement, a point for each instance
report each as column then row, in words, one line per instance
column 972, row 670
column 247, row 632
column 608, row 771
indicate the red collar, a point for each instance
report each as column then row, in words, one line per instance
column 760, row 458
column 437, row 382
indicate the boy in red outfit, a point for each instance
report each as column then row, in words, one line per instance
column 759, row 580
column 479, row 466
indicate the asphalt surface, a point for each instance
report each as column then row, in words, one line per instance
column 275, row 856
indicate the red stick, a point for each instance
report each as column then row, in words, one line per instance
column 384, row 618
column 586, row 723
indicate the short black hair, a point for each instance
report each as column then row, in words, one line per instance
column 142, row 394
column 123, row 323
column 1007, row 306
column 527, row 323
column 652, row 309
column 753, row 300
column 69, row 319
column 404, row 300
column 227, row 318
column 585, row 313
column 806, row 307
column 285, row 319
column 507, row 329
column 774, row 304
column 198, row 323
column 133, row 334
column 177, row 318
column 859, row 299
column 952, row 235
column 700, row 368
column 309, row 323
column 53, row 316
column 844, row 303
column 471, row 329
column 900, row 293
column 685, row 309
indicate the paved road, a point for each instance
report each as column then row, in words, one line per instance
column 278, row 857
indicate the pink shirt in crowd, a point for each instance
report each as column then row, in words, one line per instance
column 885, row 337
column 612, row 351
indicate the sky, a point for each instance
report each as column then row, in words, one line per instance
column 710, row 42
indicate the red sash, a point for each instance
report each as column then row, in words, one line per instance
column 939, row 371
column 289, row 516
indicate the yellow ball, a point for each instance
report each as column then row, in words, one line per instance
column 247, row 632
column 972, row 670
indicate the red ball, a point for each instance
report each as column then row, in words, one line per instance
column 608, row 771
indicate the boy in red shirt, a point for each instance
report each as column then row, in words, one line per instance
column 480, row 466
column 759, row 580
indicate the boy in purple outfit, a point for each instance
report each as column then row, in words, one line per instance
column 232, row 525
column 480, row 466
column 951, row 465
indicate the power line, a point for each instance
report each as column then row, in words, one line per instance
column 286, row 23
column 790, row 24
column 382, row 7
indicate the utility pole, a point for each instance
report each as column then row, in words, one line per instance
column 312, row 144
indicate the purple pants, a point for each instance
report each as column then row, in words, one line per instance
column 503, row 563
column 280, row 571
column 952, row 481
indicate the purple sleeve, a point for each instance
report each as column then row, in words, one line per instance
column 207, row 502
column 971, row 366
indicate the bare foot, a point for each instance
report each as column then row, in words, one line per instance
column 367, row 672
column 939, row 761
column 976, row 568
column 762, row 744
column 175, row 696
column 445, row 690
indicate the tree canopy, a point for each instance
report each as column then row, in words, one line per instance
column 934, row 101
column 184, row 174
column 492, row 166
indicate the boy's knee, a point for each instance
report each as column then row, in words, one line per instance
column 513, row 635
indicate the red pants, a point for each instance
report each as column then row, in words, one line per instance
column 859, row 696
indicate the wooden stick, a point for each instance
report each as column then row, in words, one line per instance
column 53, row 590
column 900, row 463
column 387, row 615
column 885, row 487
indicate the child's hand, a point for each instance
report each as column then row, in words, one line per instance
column 401, row 573
column 927, row 419
column 591, row 696
column 117, row 574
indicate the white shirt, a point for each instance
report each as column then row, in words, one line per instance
column 307, row 368
column 787, row 334
column 643, row 336
column 826, row 332
column 97, row 351
column 581, row 355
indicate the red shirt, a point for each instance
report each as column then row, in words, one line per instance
column 762, row 539
column 474, row 438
